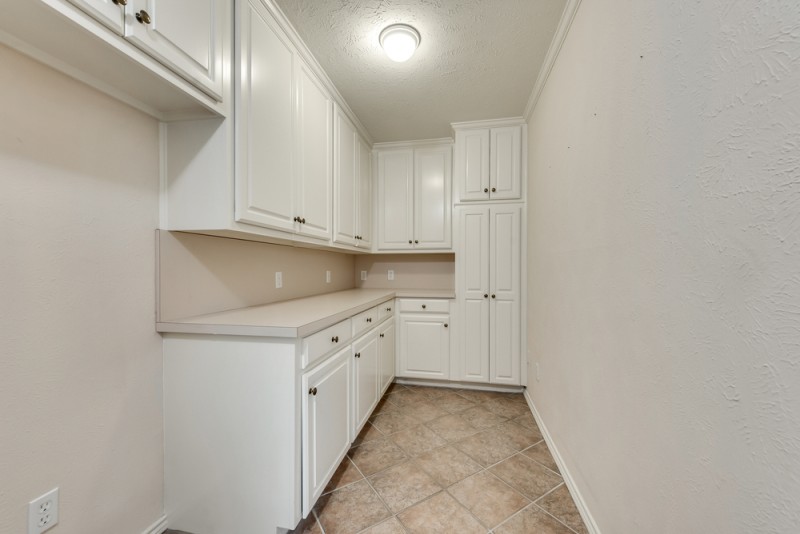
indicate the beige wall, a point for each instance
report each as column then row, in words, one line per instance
column 202, row 274
column 664, row 264
column 80, row 361
column 411, row 271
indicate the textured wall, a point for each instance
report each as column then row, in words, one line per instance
column 80, row 361
column 664, row 263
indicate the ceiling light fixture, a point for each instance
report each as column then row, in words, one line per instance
column 399, row 41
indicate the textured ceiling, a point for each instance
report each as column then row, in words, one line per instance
column 478, row 59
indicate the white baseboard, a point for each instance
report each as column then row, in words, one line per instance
column 588, row 520
column 158, row 527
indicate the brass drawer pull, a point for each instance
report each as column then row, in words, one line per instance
column 143, row 17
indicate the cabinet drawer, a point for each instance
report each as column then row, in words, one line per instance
column 364, row 320
column 323, row 342
column 424, row 305
column 385, row 309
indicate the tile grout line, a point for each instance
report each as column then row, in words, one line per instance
column 554, row 517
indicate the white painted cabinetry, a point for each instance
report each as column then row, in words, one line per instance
column 488, row 263
column 488, row 161
column 366, row 382
column 352, row 184
column 414, row 198
column 283, row 132
column 386, row 351
column 326, row 423
column 109, row 12
column 424, row 342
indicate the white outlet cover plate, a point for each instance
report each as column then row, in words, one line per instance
column 363, row 275
column 328, row 277
column 43, row 512
column 391, row 274
column 278, row 280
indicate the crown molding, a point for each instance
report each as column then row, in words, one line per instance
column 442, row 141
column 489, row 123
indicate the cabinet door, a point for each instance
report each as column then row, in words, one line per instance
column 326, row 428
column 264, row 122
column 314, row 155
column 432, row 202
column 472, row 164
column 344, row 179
column 395, row 199
column 184, row 34
column 386, row 350
column 424, row 346
column 364, row 222
column 506, row 161
column 504, row 333
column 365, row 356
column 472, row 257
column 105, row 11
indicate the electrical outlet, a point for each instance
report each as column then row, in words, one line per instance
column 537, row 371
column 391, row 274
column 278, row 280
column 43, row 512
column 363, row 275
column 327, row 277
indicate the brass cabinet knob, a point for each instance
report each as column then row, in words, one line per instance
column 335, row 339
column 424, row 306
column 494, row 190
column 312, row 391
column 445, row 325
column 416, row 241
column 143, row 17
column 381, row 335
column 494, row 296
column 369, row 319
column 485, row 189
column 358, row 354
column 120, row 2
column 486, row 295
column 409, row 241
column 388, row 309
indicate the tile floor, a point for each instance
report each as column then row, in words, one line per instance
column 435, row 460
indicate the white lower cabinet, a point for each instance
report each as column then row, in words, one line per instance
column 365, row 380
column 326, row 423
column 424, row 340
column 386, row 354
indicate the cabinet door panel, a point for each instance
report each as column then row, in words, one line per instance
column 105, row 11
column 326, row 431
column 365, row 353
column 506, row 161
column 314, row 161
column 432, row 204
column 183, row 34
column 472, row 164
column 364, row 225
column 395, row 199
column 264, row 174
column 344, row 177
column 473, row 280
column 424, row 346
column 505, row 333
column 387, row 355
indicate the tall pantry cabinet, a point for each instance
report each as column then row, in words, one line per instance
column 489, row 244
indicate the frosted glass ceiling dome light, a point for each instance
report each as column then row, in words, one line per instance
column 399, row 41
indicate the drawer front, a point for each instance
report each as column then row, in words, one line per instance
column 364, row 320
column 385, row 309
column 325, row 341
column 424, row 305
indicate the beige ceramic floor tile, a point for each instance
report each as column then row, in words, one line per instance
column 487, row 448
column 452, row 402
column 435, row 393
column 481, row 417
column 528, row 477
column 532, row 521
column 417, row 440
column 440, row 514
column 506, row 407
column 451, row 427
column 517, row 436
column 392, row 422
column 385, row 406
column 309, row 525
column 541, row 454
column 527, row 421
column 350, row 509
column 403, row 485
column 447, row 465
column 488, row 498
column 345, row 474
column 368, row 433
column 423, row 411
column 476, row 395
column 376, row 456
column 560, row 505
column 390, row 526
column 405, row 396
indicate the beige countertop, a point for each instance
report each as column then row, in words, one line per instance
column 292, row 318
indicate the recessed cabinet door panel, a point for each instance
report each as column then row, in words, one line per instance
column 472, row 164
column 432, row 202
column 264, row 174
column 183, row 34
column 387, row 354
column 506, row 161
column 473, row 275
column 504, row 359
column 395, row 190
column 314, row 161
column 364, row 194
column 105, row 11
column 424, row 346
column 326, row 428
column 344, row 178
column 365, row 356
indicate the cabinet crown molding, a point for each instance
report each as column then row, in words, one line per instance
column 489, row 123
column 422, row 143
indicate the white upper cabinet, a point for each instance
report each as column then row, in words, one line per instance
column 352, row 184
column 283, row 133
column 488, row 163
column 364, row 216
column 109, row 12
column 183, row 34
column 414, row 198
